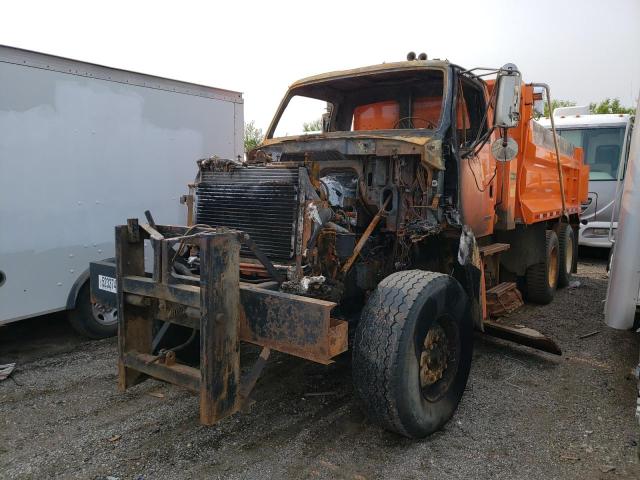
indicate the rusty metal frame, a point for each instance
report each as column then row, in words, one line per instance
column 224, row 310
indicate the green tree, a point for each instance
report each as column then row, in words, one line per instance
column 253, row 136
column 609, row 105
column 554, row 104
column 314, row 126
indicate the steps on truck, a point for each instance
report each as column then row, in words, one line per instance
column 490, row 259
column 502, row 299
column 493, row 248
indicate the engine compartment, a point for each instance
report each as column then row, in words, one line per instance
column 333, row 227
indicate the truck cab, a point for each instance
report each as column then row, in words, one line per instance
column 429, row 110
column 605, row 140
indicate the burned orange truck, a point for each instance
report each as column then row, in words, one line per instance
column 423, row 202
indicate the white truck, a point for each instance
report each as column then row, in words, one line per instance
column 83, row 146
column 605, row 140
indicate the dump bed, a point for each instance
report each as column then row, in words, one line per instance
column 530, row 184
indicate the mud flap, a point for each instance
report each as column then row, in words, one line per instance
column 102, row 280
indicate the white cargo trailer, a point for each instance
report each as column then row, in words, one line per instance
column 82, row 148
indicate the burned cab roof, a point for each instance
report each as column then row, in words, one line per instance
column 347, row 78
column 347, row 92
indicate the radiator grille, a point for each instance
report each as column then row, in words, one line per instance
column 260, row 201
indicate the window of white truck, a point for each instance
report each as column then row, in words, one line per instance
column 602, row 149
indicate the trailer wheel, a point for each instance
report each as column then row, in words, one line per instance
column 412, row 351
column 566, row 253
column 93, row 320
column 542, row 278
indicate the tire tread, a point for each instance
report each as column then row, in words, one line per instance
column 375, row 357
column 565, row 235
column 538, row 288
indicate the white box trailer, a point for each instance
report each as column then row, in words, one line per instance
column 82, row 148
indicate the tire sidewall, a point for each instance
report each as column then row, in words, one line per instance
column 418, row 415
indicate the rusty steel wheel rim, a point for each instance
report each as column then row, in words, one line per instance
column 433, row 358
column 553, row 267
column 438, row 358
column 568, row 256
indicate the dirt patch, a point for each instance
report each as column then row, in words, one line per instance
column 524, row 414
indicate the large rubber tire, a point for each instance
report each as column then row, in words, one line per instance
column 88, row 321
column 567, row 250
column 388, row 349
column 542, row 278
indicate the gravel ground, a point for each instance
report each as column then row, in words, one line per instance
column 525, row 414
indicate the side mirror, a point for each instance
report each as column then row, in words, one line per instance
column 538, row 102
column 507, row 113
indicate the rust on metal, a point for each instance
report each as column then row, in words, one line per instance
column 289, row 323
column 433, row 358
column 170, row 358
column 522, row 335
column 249, row 382
column 219, row 340
column 253, row 269
column 503, row 299
column 135, row 332
column 365, row 236
column 216, row 305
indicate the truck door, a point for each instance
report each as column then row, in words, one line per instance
column 477, row 167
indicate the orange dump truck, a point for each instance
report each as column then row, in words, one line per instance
column 423, row 203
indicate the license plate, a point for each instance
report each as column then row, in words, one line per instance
column 108, row 284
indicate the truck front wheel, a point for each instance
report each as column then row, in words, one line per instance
column 93, row 320
column 412, row 351
column 542, row 278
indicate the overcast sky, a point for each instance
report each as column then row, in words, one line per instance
column 585, row 49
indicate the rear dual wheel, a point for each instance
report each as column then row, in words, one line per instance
column 412, row 351
column 542, row 278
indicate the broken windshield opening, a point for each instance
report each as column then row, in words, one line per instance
column 396, row 100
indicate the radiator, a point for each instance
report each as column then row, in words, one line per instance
column 260, row 201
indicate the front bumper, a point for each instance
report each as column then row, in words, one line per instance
column 595, row 234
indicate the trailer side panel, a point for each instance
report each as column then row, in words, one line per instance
column 81, row 148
